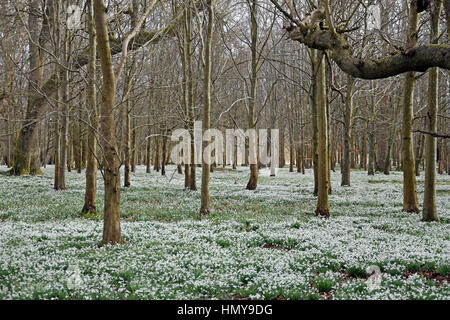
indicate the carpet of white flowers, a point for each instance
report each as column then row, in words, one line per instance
column 263, row 244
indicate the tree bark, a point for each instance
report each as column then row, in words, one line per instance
column 322, row 170
column 91, row 168
column 148, row 158
column 429, row 201
column 414, row 58
column 205, row 197
column 314, row 123
column 372, row 134
column 27, row 147
column 345, row 168
column 419, row 153
column 127, row 144
column 253, row 180
column 157, row 164
column 111, row 226
column 410, row 203
column 392, row 133
column 163, row 153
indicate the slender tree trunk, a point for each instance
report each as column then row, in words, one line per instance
column 57, row 146
column 419, row 154
column 184, row 46
column 190, row 88
column 65, row 145
column 329, row 139
column 157, row 164
column 410, row 203
column 91, row 168
column 429, row 201
column 111, row 226
column 133, row 146
column 345, row 167
column 282, row 161
column 164, row 153
column 84, row 142
column 314, row 123
column 387, row 161
column 127, row 144
column 392, row 133
column 205, row 198
column 69, row 144
column 253, row 181
column 364, row 152
column 148, row 159
column 291, row 150
column 77, row 143
column 323, row 168
column 27, row 146
column 372, row 136
column 58, row 130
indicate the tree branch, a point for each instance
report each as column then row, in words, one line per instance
column 434, row 134
column 419, row 58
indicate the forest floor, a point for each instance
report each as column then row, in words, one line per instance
column 263, row 244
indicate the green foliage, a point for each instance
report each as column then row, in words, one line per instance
column 323, row 284
column 356, row 272
column 444, row 270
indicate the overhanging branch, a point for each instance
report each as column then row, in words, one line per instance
column 434, row 134
column 312, row 33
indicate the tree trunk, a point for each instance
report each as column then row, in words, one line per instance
column 57, row 146
column 392, row 133
column 91, row 168
column 77, row 142
column 133, row 146
column 345, row 167
column 314, row 123
column 372, row 136
column 291, row 150
column 148, row 159
column 111, row 226
column 419, row 154
column 127, row 144
column 322, row 172
column 253, row 181
column 205, row 198
column 164, row 153
column 65, row 145
column 429, row 201
column 410, row 203
column 157, row 164
column 190, row 88
column 185, row 52
column 27, row 147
